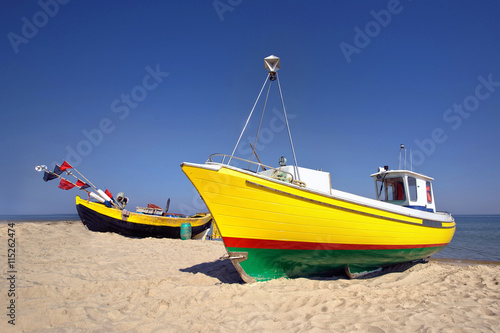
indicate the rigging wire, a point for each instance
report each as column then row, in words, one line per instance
column 296, row 169
column 246, row 124
column 260, row 124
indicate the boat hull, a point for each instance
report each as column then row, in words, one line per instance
column 97, row 217
column 265, row 263
column 272, row 229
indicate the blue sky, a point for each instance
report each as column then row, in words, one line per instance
column 128, row 90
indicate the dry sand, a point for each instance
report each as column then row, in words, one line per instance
column 72, row 280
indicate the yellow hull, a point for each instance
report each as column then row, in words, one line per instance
column 252, row 207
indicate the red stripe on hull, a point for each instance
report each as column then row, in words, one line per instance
column 291, row 245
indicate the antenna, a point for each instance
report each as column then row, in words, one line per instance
column 411, row 161
column 405, row 159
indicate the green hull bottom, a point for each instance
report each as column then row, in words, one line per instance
column 267, row 264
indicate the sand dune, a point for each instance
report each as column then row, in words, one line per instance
column 72, row 280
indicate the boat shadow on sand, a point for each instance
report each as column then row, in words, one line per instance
column 224, row 271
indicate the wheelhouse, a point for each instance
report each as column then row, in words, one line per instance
column 405, row 188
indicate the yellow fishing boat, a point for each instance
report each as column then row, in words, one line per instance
column 97, row 216
column 287, row 221
column 106, row 213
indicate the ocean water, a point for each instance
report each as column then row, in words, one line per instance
column 477, row 237
column 39, row 218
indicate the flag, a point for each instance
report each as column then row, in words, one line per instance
column 65, row 166
column 81, row 184
column 65, row 185
column 108, row 193
column 49, row 176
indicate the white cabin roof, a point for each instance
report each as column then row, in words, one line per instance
column 400, row 173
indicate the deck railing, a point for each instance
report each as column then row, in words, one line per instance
column 226, row 159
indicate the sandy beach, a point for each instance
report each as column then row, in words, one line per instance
column 69, row 279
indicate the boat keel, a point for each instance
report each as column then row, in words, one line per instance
column 356, row 272
column 236, row 258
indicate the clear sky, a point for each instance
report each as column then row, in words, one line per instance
column 128, row 90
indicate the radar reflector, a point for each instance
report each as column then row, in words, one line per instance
column 272, row 63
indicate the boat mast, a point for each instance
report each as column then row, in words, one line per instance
column 272, row 65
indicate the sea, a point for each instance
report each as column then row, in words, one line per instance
column 476, row 238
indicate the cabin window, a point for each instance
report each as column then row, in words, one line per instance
column 391, row 189
column 412, row 188
column 428, row 190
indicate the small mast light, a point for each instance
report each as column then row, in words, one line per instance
column 402, row 148
column 272, row 64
